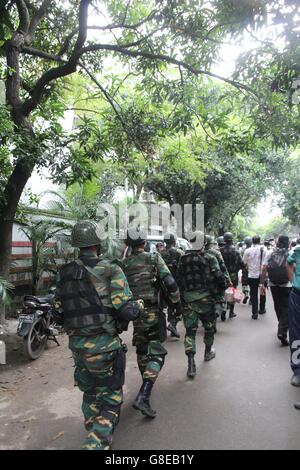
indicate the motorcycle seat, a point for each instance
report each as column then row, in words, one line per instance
column 40, row 300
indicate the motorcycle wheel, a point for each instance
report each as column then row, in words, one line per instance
column 35, row 342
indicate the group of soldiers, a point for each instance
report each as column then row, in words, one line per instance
column 97, row 298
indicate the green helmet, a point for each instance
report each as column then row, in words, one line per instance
column 220, row 241
column 208, row 240
column 228, row 237
column 136, row 236
column 248, row 241
column 197, row 240
column 170, row 238
column 85, row 233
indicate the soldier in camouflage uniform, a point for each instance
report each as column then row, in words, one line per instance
column 199, row 274
column 220, row 304
column 146, row 272
column 221, row 242
column 94, row 303
column 234, row 263
column 171, row 256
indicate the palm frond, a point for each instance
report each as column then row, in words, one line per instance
column 6, row 288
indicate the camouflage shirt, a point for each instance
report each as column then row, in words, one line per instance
column 171, row 257
column 143, row 270
column 233, row 260
column 211, row 269
column 113, row 290
column 218, row 255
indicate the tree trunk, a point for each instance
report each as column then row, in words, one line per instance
column 5, row 252
column 8, row 208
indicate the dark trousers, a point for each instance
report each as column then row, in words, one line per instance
column 294, row 326
column 254, row 286
column 281, row 304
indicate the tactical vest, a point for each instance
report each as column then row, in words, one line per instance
column 80, row 302
column 230, row 258
column 141, row 272
column 194, row 267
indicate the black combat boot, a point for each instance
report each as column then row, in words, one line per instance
column 191, row 372
column 209, row 354
column 142, row 401
column 223, row 315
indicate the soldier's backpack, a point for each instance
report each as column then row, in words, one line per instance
column 230, row 258
column 277, row 269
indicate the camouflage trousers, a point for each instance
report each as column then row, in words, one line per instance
column 101, row 402
column 147, row 338
column 195, row 311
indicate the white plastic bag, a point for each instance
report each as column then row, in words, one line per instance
column 229, row 295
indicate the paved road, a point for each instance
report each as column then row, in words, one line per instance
column 241, row 400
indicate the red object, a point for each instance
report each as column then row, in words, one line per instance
column 29, row 244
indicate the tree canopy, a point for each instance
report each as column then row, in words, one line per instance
column 148, row 70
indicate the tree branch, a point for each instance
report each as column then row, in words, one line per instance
column 38, row 15
column 67, row 41
column 107, row 96
column 125, row 26
column 164, row 58
column 42, row 54
column 69, row 67
column 84, row 110
column 143, row 39
column 24, row 19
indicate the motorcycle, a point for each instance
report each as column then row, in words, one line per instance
column 37, row 325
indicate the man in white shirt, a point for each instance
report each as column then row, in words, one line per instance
column 253, row 258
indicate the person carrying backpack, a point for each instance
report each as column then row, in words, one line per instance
column 275, row 265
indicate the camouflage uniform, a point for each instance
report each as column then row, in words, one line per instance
column 171, row 257
column 234, row 263
column 220, row 304
column 149, row 328
column 200, row 303
column 98, row 355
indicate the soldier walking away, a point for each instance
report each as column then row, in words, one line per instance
column 254, row 259
column 171, row 257
column 234, row 263
column 199, row 274
column 220, row 304
column 221, row 242
column 94, row 304
column 149, row 278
